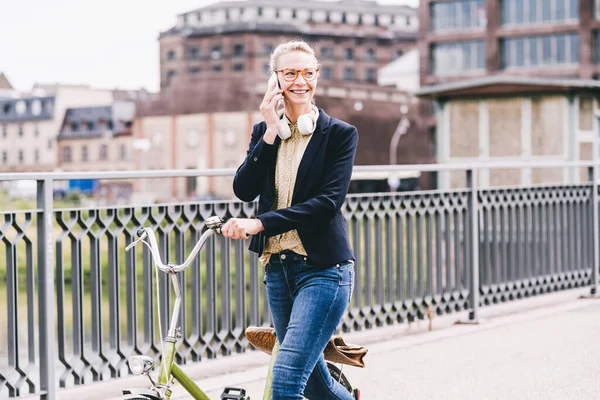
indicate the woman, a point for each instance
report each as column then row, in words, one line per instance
column 299, row 163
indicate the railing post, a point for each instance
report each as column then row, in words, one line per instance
column 593, row 174
column 473, row 220
column 45, row 247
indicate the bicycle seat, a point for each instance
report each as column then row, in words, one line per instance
column 336, row 351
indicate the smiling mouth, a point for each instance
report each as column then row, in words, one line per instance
column 299, row 91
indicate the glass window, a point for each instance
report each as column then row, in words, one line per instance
column 36, row 155
column 457, row 14
column 66, row 154
column 194, row 53
column 21, row 156
column 371, row 75
column 84, row 153
column 537, row 11
column 546, row 10
column 457, row 57
column 326, row 52
column 238, row 50
column 103, row 152
column 3, row 130
column 325, row 73
column 349, row 53
column 370, row 54
column 238, row 67
column 543, row 50
column 348, row 74
column 171, row 55
column 267, row 49
column 4, row 157
column 123, row 152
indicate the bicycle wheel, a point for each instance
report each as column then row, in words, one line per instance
column 337, row 375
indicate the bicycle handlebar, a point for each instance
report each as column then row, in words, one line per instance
column 214, row 226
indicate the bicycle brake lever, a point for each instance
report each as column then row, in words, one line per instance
column 215, row 223
column 141, row 235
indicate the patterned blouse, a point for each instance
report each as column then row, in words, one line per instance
column 289, row 156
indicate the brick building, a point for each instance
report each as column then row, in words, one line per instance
column 214, row 70
column 461, row 39
column 511, row 80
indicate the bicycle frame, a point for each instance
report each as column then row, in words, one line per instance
column 169, row 370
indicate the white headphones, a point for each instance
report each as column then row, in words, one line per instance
column 306, row 123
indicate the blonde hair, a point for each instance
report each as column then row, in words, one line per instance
column 284, row 48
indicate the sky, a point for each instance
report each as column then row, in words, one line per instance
column 105, row 44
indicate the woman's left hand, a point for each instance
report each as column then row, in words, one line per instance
column 241, row 228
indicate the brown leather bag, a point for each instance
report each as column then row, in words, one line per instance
column 336, row 351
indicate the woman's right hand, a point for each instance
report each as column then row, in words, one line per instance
column 268, row 109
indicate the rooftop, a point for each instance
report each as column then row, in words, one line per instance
column 97, row 121
column 505, row 84
column 27, row 109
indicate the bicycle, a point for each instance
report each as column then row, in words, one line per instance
column 260, row 337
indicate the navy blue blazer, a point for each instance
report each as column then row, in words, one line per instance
column 321, row 186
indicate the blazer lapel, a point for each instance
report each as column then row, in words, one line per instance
column 311, row 150
column 273, row 167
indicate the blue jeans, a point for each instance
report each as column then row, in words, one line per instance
column 307, row 304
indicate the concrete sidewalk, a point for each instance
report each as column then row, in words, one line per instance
column 542, row 348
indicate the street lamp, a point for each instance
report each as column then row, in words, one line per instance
column 401, row 129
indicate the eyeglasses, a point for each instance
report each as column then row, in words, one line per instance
column 290, row 74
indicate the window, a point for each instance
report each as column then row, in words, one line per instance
column 49, row 144
column 20, row 130
column 195, row 71
column 170, row 75
column 216, row 52
column 217, row 68
column 74, row 126
column 21, row 157
column 349, row 53
column 267, row 69
column 84, row 153
column 519, row 12
column 538, row 51
column 36, row 155
column 194, row 53
column 398, row 53
column 370, row 54
column 325, row 73
column 171, row 55
column 456, row 15
column 4, row 129
column 457, row 57
column 103, row 152
column 371, row 75
column 123, row 152
column 238, row 50
column 327, row 53
column 238, row 67
column 348, row 74
column 36, row 130
column 267, row 49
column 4, row 157
column 91, row 126
column 66, row 154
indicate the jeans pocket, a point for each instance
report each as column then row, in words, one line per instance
column 346, row 273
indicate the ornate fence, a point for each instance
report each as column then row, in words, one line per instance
column 78, row 305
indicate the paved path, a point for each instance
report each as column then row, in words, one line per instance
column 544, row 348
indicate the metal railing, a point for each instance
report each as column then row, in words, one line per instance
column 78, row 306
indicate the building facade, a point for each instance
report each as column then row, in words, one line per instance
column 214, row 71
column 353, row 38
column 461, row 39
column 29, row 125
column 515, row 119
